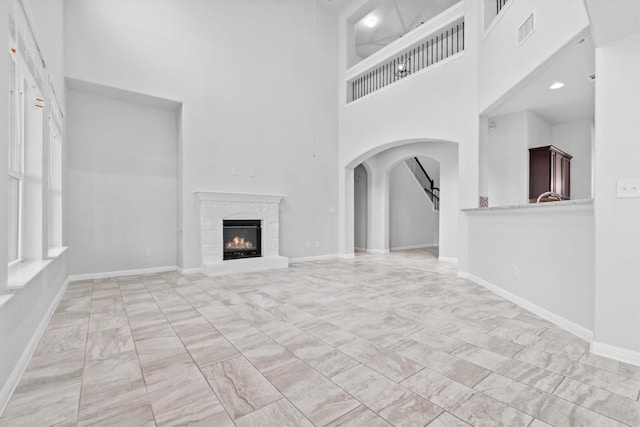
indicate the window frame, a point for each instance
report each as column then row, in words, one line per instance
column 16, row 153
column 54, row 194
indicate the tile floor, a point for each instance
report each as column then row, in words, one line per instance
column 379, row 340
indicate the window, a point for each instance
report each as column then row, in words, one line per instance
column 55, row 180
column 16, row 159
column 25, row 160
column 34, row 153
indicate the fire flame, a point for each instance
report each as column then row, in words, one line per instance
column 239, row 243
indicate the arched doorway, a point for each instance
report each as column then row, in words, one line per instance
column 379, row 163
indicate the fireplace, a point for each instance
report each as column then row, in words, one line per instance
column 241, row 239
column 216, row 208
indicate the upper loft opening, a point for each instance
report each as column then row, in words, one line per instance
column 560, row 90
column 381, row 22
column 552, row 108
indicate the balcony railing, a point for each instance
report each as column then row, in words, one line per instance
column 493, row 9
column 438, row 46
column 499, row 5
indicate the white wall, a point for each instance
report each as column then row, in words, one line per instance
column 7, row 352
column 552, row 249
column 575, row 138
column 360, row 207
column 503, row 62
column 617, row 229
column 413, row 222
column 508, row 171
column 122, row 161
column 539, row 132
column 23, row 318
column 4, row 153
column 279, row 120
column 483, row 157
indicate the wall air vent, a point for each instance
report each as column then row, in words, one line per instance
column 527, row 27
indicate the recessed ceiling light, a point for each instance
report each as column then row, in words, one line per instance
column 371, row 21
column 556, row 85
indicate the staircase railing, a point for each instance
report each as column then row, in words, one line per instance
column 425, row 181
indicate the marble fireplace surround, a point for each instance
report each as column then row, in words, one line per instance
column 217, row 206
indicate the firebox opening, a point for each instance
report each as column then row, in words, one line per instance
column 241, row 239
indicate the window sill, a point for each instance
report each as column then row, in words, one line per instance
column 23, row 273
column 55, row 252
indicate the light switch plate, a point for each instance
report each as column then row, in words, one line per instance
column 628, row 188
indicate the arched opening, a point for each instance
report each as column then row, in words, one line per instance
column 392, row 220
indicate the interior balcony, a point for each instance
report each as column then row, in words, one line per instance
column 431, row 43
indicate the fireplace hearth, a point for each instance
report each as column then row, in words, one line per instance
column 241, row 239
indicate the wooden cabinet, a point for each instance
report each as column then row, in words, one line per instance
column 549, row 170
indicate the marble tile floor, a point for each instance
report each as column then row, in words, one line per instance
column 378, row 340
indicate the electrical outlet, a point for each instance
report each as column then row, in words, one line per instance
column 147, row 252
column 308, row 244
column 252, row 173
column 628, row 188
column 317, row 244
column 234, row 171
column 516, row 271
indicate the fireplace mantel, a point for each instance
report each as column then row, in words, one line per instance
column 238, row 197
column 215, row 207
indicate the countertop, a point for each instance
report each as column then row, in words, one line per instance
column 577, row 204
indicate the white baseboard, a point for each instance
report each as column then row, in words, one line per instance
column 560, row 321
column 448, row 259
column 406, row 248
column 313, row 258
column 13, row 380
column 378, row 251
column 194, row 270
column 613, row 352
column 347, row 256
column 121, row 273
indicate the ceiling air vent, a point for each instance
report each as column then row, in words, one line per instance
column 525, row 30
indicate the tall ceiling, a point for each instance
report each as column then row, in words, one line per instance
column 395, row 18
column 338, row 5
